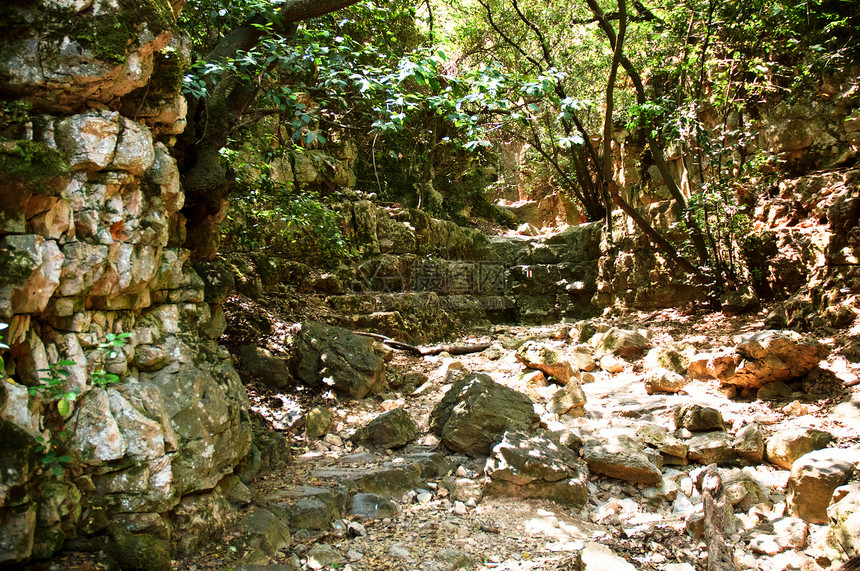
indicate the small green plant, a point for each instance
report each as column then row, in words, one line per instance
column 52, row 458
column 52, row 386
column 114, row 342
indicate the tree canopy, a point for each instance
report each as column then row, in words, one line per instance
column 430, row 89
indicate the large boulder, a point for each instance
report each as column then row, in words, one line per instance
column 672, row 356
column 620, row 342
column 697, row 418
column 537, row 466
column 350, row 364
column 391, row 429
column 621, row 457
column 787, row 445
column 749, row 443
column 718, row 365
column 814, row 476
column 538, row 356
column 569, row 399
column 844, row 516
column 770, row 356
column 710, row 447
column 660, row 380
column 261, row 363
column 476, row 412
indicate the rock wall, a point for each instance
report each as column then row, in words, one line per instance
column 91, row 235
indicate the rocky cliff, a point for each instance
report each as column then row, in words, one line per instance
column 91, row 235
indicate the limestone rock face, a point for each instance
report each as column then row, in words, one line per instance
column 537, row 466
column 814, row 476
column 32, row 267
column 332, row 356
column 108, row 53
column 90, row 218
column 770, row 356
column 476, row 412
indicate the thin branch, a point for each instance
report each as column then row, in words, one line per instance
column 507, row 39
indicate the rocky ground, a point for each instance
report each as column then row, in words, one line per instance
column 448, row 523
column 354, row 505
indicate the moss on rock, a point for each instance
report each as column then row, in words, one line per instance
column 141, row 551
column 33, row 165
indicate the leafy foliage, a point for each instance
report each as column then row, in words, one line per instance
column 269, row 214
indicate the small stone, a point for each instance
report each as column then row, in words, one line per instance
column 697, row 418
column 355, row 529
column 398, row 550
column 660, row 380
column 611, row 364
column 582, row 359
column 354, row 555
column 774, row 392
column 333, row 440
column 765, row 544
column 318, row 422
column 791, row 533
column 323, row 555
column 459, row 508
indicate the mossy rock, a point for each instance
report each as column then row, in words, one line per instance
column 33, row 166
column 111, row 36
column 318, row 422
column 18, row 457
column 129, row 551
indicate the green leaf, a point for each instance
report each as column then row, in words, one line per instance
column 64, row 407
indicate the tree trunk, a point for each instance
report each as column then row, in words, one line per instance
column 680, row 207
column 717, row 513
column 608, row 177
column 206, row 182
